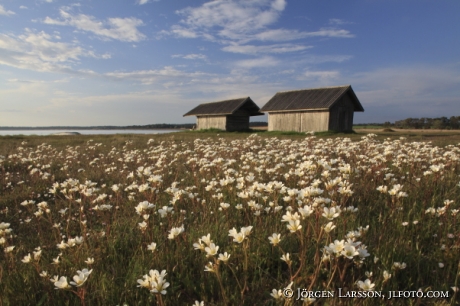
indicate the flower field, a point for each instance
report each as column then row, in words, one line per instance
column 229, row 221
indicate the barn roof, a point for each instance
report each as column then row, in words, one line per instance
column 310, row 99
column 226, row 107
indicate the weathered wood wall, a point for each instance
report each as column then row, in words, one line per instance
column 228, row 123
column 237, row 123
column 298, row 121
column 342, row 112
column 211, row 122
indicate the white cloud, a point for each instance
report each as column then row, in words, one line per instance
column 37, row 51
column 153, row 76
column 321, row 75
column 331, row 32
column 142, row 2
column 5, row 12
column 279, row 5
column 123, row 29
column 242, row 21
column 195, row 56
column 23, row 7
column 319, row 59
column 287, row 35
column 337, row 21
column 253, row 49
column 235, row 18
column 234, row 15
column 277, row 35
column 30, row 81
column 190, row 56
column 266, row 61
column 182, row 32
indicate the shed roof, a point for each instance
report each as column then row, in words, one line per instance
column 226, row 107
column 310, row 99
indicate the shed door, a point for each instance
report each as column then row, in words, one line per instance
column 342, row 118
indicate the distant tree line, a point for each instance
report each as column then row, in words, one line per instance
column 452, row 123
column 258, row 123
column 163, row 126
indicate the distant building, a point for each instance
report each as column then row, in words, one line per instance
column 317, row 109
column 228, row 115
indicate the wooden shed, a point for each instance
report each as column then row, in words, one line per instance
column 228, row 115
column 316, row 109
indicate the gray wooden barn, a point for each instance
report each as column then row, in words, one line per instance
column 228, row 115
column 316, row 109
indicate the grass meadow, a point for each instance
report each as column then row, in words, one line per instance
column 218, row 218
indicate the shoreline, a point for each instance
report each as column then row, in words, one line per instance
column 81, row 129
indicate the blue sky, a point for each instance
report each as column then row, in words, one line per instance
column 126, row 62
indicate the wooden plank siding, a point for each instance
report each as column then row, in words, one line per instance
column 283, row 122
column 228, row 115
column 315, row 109
column 211, row 122
column 341, row 118
column 314, row 121
column 298, row 121
column 227, row 123
column 237, row 123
